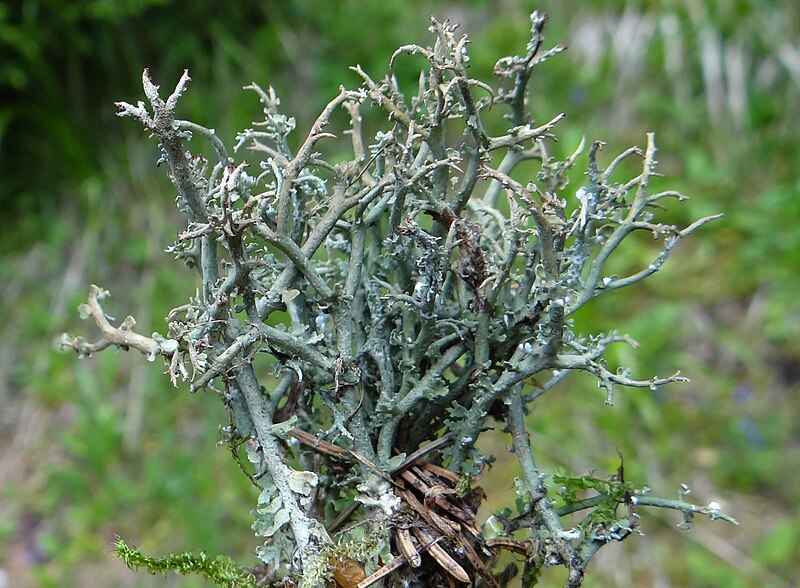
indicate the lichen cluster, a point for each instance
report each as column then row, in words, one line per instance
column 368, row 305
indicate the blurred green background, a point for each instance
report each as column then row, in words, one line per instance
column 105, row 447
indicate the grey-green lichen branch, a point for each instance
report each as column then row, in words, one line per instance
column 378, row 295
column 558, row 542
column 711, row 510
column 123, row 336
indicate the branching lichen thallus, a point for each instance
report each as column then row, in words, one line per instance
column 363, row 315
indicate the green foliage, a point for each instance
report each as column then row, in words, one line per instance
column 613, row 491
column 221, row 570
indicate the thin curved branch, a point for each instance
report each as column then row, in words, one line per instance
column 122, row 336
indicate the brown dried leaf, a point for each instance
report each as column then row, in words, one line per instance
column 382, row 572
column 521, row 547
column 476, row 562
column 406, row 545
column 445, row 561
column 348, row 574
